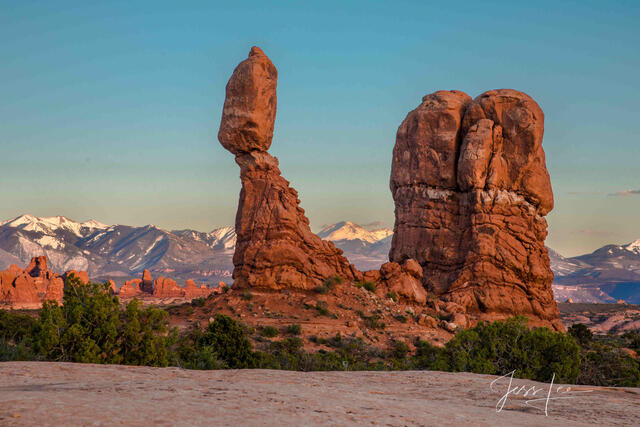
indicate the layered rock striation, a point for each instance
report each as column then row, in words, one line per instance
column 275, row 246
column 471, row 191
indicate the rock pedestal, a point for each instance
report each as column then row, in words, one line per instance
column 275, row 246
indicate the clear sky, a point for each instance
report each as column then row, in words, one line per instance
column 111, row 111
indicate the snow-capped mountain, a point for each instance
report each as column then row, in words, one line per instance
column 605, row 275
column 347, row 230
column 367, row 247
column 120, row 251
column 220, row 238
column 117, row 251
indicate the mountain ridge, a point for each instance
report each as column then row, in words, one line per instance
column 121, row 252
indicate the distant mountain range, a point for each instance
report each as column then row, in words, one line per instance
column 608, row 274
column 120, row 252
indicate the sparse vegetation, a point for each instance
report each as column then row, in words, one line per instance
column 370, row 286
column 294, row 329
column 269, row 331
column 328, row 284
column 91, row 326
column 246, row 295
column 393, row 296
column 322, row 307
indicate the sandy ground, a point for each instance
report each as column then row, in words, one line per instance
column 33, row 393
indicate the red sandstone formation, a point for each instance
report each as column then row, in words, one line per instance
column 164, row 287
column 275, row 247
column 471, row 190
column 28, row 288
column 130, row 289
column 146, row 285
column 81, row 275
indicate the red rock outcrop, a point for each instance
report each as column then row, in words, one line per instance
column 81, row 275
column 146, row 285
column 275, row 246
column 28, row 288
column 471, row 190
column 130, row 289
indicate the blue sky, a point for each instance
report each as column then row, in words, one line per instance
column 111, row 111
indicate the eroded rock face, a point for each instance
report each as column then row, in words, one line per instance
column 28, row 288
column 471, row 190
column 275, row 246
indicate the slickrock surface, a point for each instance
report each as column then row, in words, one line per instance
column 275, row 246
column 471, row 190
column 52, row 394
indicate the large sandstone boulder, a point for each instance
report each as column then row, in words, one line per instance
column 471, row 190
column 275, row 246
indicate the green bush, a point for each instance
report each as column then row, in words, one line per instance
column 500, row 347
column 294, row 329
column 328, row 285
column 323, row 308
column 606, row 365
column 393, row 295
column 269, row 331
column 90, row 327
column 370, row 286
column 581, row 333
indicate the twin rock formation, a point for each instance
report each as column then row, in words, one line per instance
column 470, row 187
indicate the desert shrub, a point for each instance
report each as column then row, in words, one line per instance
column 198, row 302
column 15, row 326
column 631, row 339
column 393, row 295
column 145, row 339
column 228, row 340
column 400, row 318
column 428, row 356
column 332, row 281
column 328, row 284
column 323, row 308
column 90, row 327
column 16, row 332
column 581, row 333
column 294, row 329
column 269, row 331
column 500, row 347
column 606, row 365
column 373, row 321
column 193, row 352
column 399, row 350
column 370, row 286
column 246, row 295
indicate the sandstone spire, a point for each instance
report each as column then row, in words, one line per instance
column 275, row 246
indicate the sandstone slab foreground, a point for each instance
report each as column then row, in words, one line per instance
column 34, row 393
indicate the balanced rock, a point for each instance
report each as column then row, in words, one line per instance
column 471, row 190
column 275, row 246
